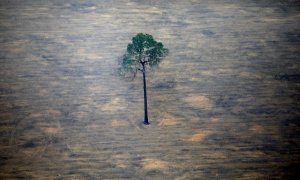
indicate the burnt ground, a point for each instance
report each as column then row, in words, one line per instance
column 224, row 104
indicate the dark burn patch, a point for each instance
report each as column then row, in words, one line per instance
column 3, row 159
column 165, row 85
column 226, row 102
column 208, row 33
column 30, row 144
column 293, row 37
column 287, row 77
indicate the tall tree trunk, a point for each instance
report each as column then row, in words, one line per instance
column 145, row 96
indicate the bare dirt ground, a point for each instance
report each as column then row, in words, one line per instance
column 224, row 104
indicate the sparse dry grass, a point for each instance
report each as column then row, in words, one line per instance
column 117, row 123
column 168, row 120
column 154, row 164
column 199, row 102
column 246, row 74
column 114, row 105
column 200, row 136
column 51, row 130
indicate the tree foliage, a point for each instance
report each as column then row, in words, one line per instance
column 142, row 51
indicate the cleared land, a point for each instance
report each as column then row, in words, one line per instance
column 223, row 105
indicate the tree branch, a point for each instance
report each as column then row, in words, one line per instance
column 143, row 61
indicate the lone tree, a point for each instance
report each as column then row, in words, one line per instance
column 143, row 51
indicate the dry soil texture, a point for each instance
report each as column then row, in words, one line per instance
column 224, row 104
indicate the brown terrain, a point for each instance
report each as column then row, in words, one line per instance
column 224, row 104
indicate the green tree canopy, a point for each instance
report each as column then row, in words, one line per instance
column 142, row 51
